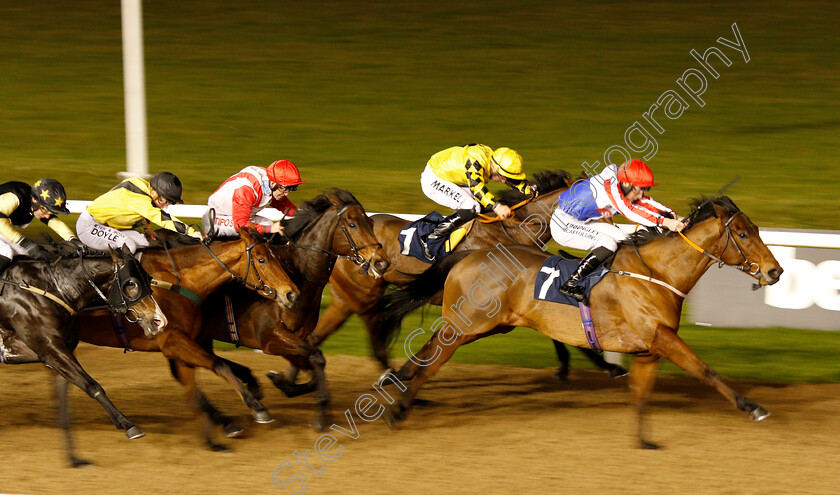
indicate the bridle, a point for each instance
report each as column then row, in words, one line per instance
column 745, row 265
column 357, row 257
column 262, row 288
column 117, row 300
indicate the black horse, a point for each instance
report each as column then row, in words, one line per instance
column 38, row 309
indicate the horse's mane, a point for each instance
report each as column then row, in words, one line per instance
column 546, row 181
column 702, row 209
column 311, row 210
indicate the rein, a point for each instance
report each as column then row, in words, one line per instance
column 489, row 219
column 357, row 257
column 745, row 265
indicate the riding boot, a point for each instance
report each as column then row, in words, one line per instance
column 587, row 265
column 446, row 227
column 4, row 262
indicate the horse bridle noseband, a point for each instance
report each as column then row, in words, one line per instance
column 263, row 289
column 745, row 265
column 357, row 257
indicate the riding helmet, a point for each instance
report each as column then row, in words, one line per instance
column 284, row 172
column 167, row 185
column 636, row 172
column 50, row 194
column 509, row 163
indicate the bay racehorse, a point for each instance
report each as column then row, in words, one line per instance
column 183, row 277
column 39, row 304
column 354, row 293
column 332, row 226
column 631, row 315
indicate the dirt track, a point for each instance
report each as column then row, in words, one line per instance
column 485, row 430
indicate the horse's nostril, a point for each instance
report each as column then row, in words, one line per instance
column 775, row 273
column 291, row 296
column 381, row 265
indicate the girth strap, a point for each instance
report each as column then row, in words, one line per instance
column 178, row 290
column 589, row 327
column 230, row 318
column 41, row 292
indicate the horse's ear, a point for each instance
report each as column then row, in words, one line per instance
column 247, row 234
column 116, row 255
column 333, row 199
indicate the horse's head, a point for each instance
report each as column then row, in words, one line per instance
column 131, row 294
column 742, row 245
column 263, row 270
column 354, row 237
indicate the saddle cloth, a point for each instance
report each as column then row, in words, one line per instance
column 555, row 270
column 409, row 237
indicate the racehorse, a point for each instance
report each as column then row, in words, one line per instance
column 355, row 293
column 635, row 315
column 39, row 305
column 183, row 277
column 329, row 227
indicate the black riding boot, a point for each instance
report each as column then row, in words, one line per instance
column 445, row 227
column 587, row 265
column 4, row 262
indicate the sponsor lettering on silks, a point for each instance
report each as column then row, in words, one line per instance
column 452, row 193
column 108, row 236
column 224, row 221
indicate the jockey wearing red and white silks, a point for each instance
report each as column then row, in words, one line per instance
column 238, row 201
column 575, row 222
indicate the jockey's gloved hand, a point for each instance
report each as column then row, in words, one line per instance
column 78, row 245
column 34, row 250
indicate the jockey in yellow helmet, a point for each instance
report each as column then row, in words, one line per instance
column 457, row 177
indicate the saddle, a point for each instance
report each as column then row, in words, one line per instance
column 411, row 245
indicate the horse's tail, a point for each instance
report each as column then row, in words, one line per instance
column 399, row 303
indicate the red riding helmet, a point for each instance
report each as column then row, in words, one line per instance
column 284, row 172
column 636, row 172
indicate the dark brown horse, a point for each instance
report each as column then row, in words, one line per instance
column 194, row 272
column 631, row 315
column 331, row 226
column 354, row 293
column 40, row 303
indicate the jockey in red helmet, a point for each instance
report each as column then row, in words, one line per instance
column 238, row 201
column 575, row 222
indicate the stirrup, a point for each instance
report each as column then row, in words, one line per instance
column 576, row 292
column 428, row 254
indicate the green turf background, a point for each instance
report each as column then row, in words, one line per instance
column 360, row 94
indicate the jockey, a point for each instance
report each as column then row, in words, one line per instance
column 575, row 224
column 238, row 201
column 19, row 204
column 110, row 220
column 457, row 178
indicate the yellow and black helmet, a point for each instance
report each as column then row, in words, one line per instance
column 50, row 194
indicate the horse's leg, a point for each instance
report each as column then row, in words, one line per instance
column 380, row 349
column 562, row 356
column 667, row 344
column 187, row 379
column 281, row 342
column 186, row 376
column 62, row 399
column 431, row 348
column 242, row 372
column 176, row 345
column 614, row 370
column 642, row 377
column 60, row 359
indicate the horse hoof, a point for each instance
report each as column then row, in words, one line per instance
column 134, row 432
column 389, row 419
column 648, row 445
column 77, row 462
column 759, row 413
column 233, row 430
column 562, row 376
column 263, row 417
column 319, row 423
column 618, row 372
column 217, row 447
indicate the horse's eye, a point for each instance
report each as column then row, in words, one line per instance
column 352, row 225
column 743, row 235
column 131, row 288
column 262, row 261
